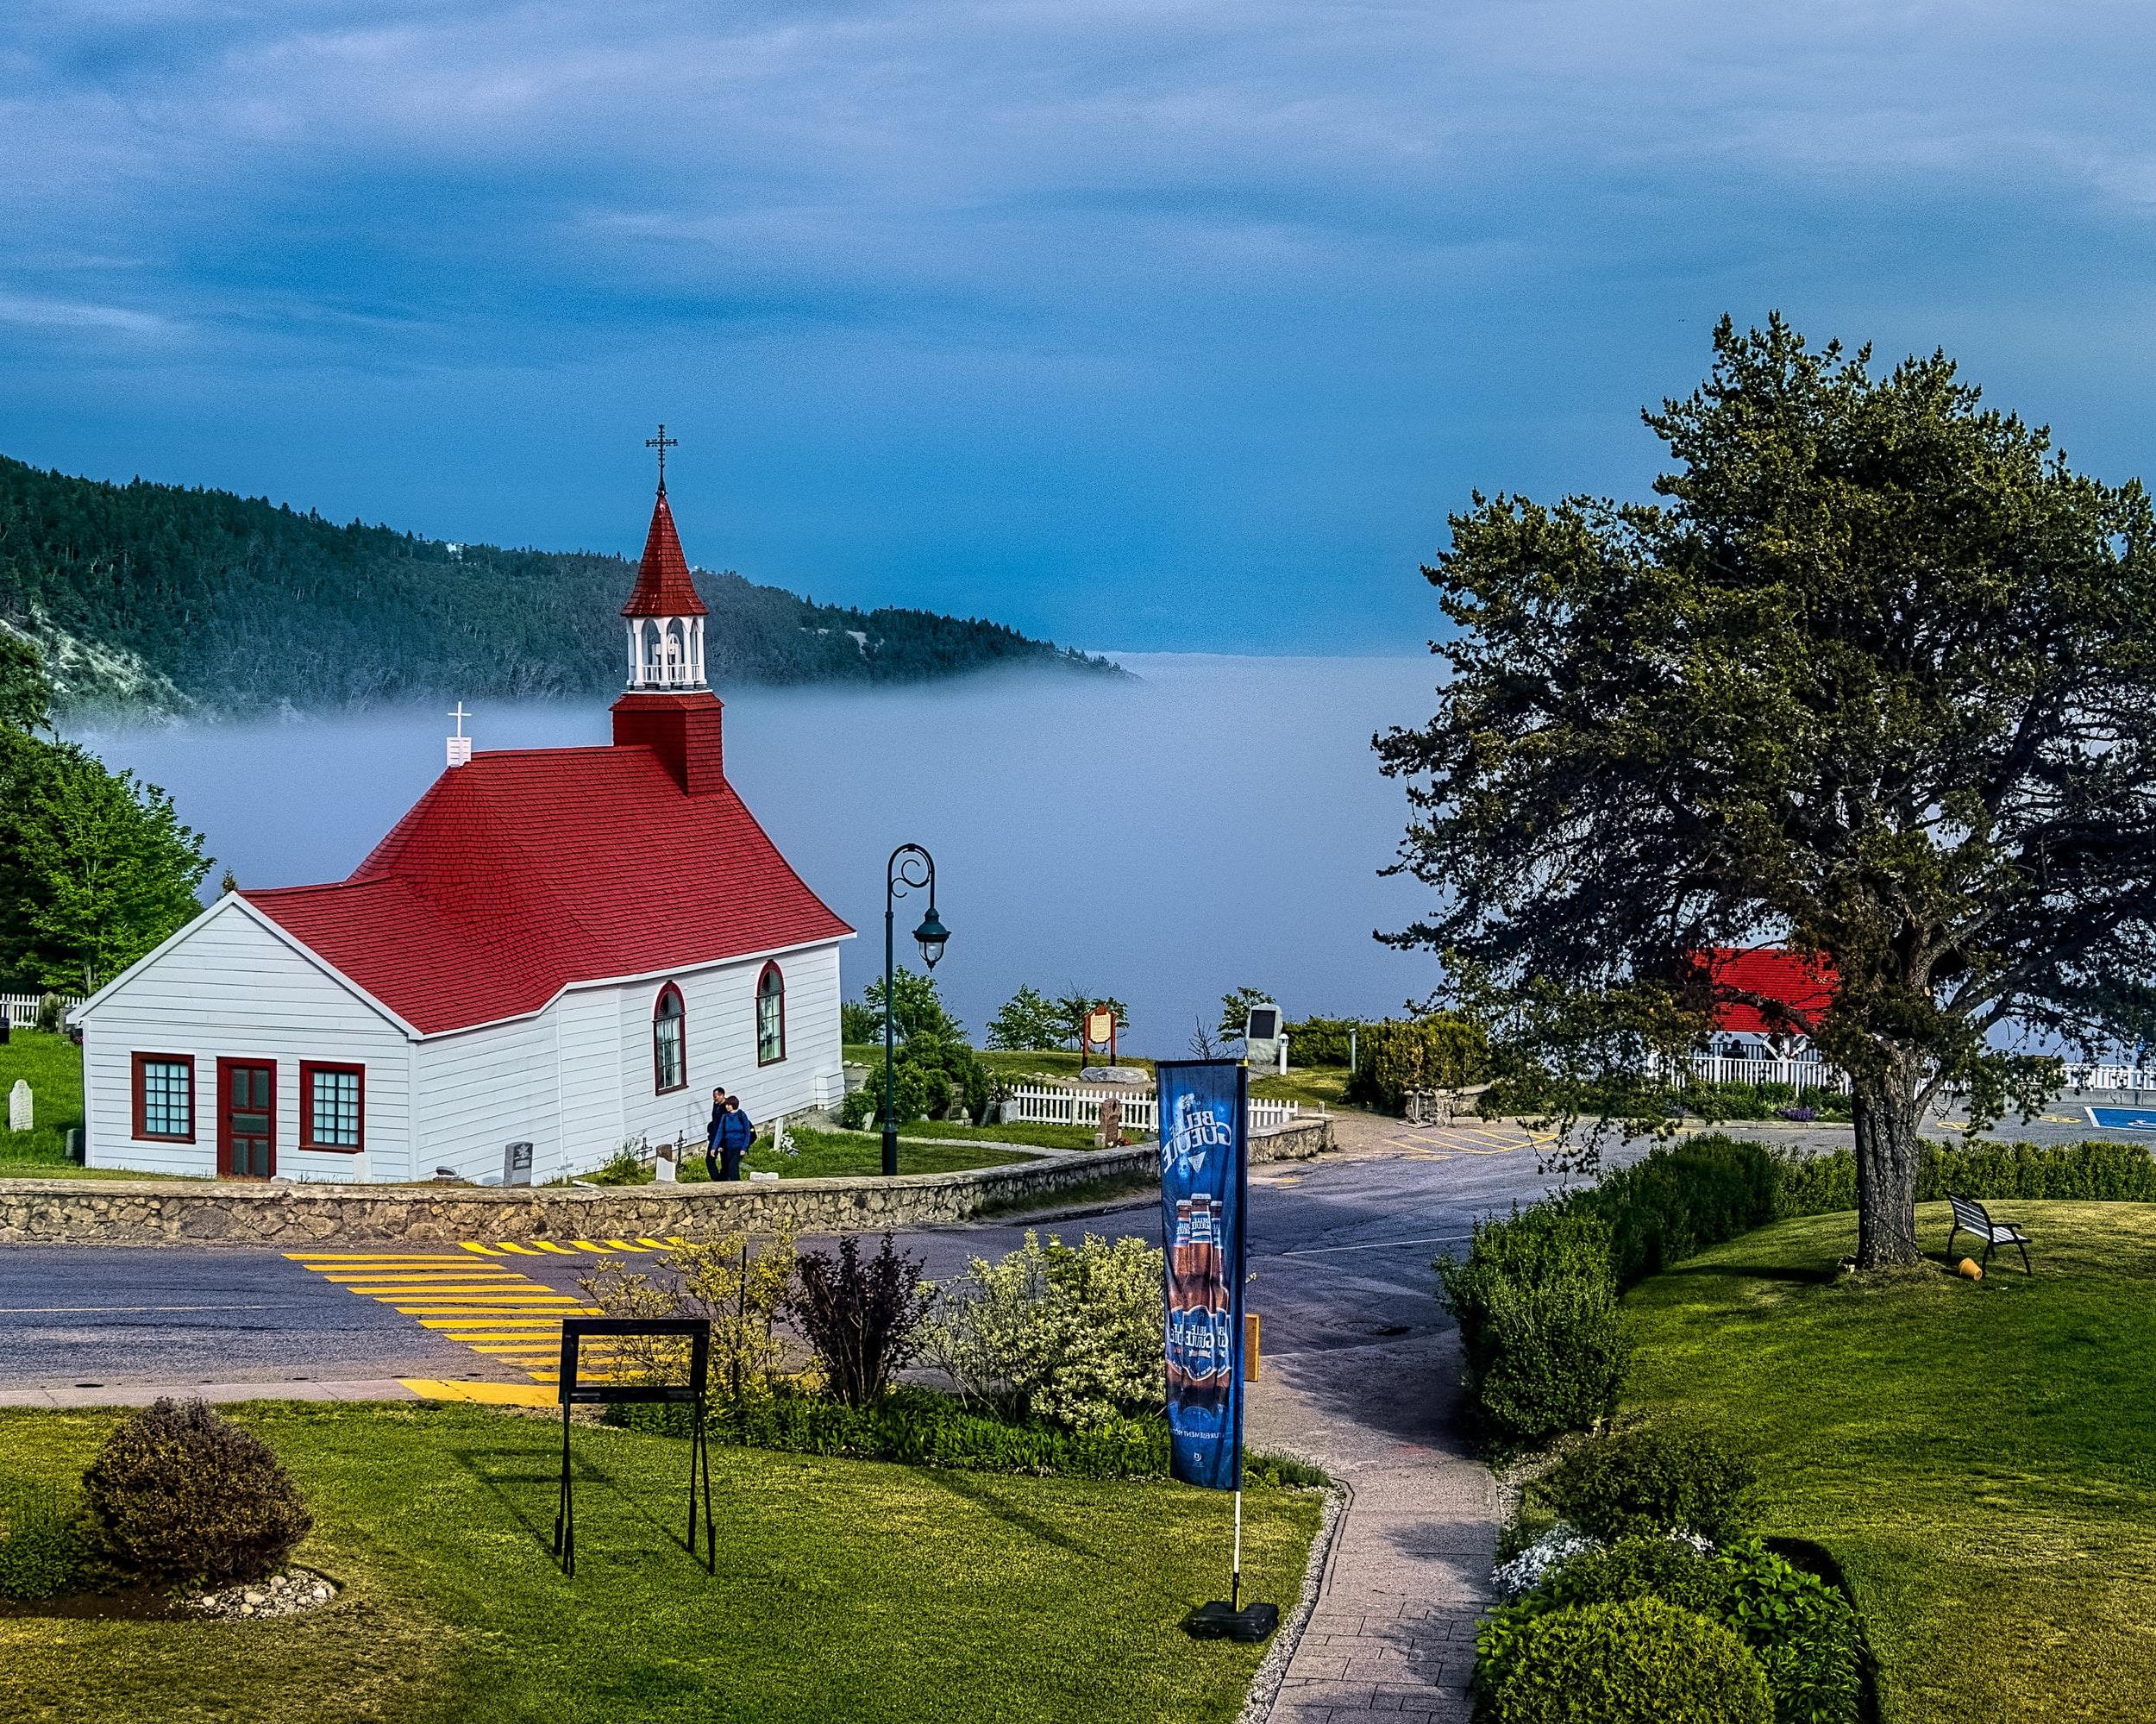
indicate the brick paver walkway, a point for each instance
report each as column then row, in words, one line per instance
column 1392, row 1640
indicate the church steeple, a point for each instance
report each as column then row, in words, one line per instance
column 664, row 616
column 668, row 708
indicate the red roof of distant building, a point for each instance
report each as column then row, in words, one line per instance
column 530, row 869
column 663, row 586
column 1801, row 984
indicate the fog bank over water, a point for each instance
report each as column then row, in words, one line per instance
column 1216, row 822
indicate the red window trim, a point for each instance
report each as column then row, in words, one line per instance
column 771, row 968
column 143, row 1134
column 307, row 1070
column 659, row 1085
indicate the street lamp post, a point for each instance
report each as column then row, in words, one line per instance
column 910, row 867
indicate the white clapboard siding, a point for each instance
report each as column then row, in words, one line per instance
column 1057, row 1104
column 230, row 988
column 480, row 1090
column 587, row 1034
column 719, row 1032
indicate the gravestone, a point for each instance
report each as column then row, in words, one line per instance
column 516, row 1165
column 1111, row 1121
column 18, row 1109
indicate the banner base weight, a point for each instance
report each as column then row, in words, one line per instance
column 1220, row 1621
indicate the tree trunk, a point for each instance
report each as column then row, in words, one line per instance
column 1885, row 1112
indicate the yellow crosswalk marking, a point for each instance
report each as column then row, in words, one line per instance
column 500, row 1313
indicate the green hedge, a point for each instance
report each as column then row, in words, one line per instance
column 1680, row 1198
column 1536, row 1300
column 1442, row 1051
column 1325, row 1041
column 2090, row 1171
column 1535, row 1295
column 921, row 1427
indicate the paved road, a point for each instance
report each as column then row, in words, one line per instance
column 1341, row 1249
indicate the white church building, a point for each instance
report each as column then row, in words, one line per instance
column 568, row 947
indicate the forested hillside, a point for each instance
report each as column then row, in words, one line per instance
column 155, row 597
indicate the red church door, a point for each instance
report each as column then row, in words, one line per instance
column 246, row 1119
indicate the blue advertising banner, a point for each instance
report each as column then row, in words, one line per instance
column 1203, row 1119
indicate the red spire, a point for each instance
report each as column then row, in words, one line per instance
column 663, row 586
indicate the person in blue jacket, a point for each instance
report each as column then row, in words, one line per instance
column 711, row 1132
column 735, row 1131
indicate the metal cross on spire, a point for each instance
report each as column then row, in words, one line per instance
column 460, row 715
column 662, row 443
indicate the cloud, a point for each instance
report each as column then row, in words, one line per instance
column 69, row 315
column 1278, row 279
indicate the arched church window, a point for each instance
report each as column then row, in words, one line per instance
column 770, row 1016
column 669, row 1040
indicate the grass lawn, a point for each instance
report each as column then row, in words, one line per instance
column 845, row 1590
column 1979, row 1457
column 53, row 1065
column 1317, row 1085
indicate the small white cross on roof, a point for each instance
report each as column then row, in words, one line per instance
column 460, row 715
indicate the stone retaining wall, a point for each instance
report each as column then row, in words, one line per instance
column 82, row 1212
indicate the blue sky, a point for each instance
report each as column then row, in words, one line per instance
column 1141, row 323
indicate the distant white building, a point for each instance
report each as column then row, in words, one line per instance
column 565, row 947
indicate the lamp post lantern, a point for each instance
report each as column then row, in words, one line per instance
column 910, row 867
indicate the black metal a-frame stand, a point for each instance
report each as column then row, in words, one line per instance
column 698, row 1332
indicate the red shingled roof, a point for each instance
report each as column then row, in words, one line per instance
column 663, row 586
column 1804, row 985
column 532, row 869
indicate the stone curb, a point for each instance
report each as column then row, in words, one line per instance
column 1265, row 1685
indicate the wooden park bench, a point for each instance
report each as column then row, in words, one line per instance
column 1972, row 1216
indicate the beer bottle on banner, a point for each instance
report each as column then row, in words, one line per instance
column 1179, row 1297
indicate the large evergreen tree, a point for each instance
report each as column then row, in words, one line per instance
column 94, row 868
column 1877, row 678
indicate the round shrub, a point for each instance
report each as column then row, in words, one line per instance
column 1642, row 1661
column 1652, row 1566
column 179, row 1495
column 1655, row 1478
column 1544, row 1337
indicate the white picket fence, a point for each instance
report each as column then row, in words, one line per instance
column 1056, row 1104
column 1799, row 1075
column 21, row 1009
column 2080, row 1077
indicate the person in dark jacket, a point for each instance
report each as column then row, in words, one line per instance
column 736, row 1130
column 711, row 1133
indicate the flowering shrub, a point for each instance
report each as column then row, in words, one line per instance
column 1070, row 1334
column 1528, row 1570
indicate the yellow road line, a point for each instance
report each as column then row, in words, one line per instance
column 500, row 1314
column 597, row 1248
column 483, row 1393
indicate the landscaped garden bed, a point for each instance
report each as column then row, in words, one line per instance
column 1975, row 1455
column 1969, row 1455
